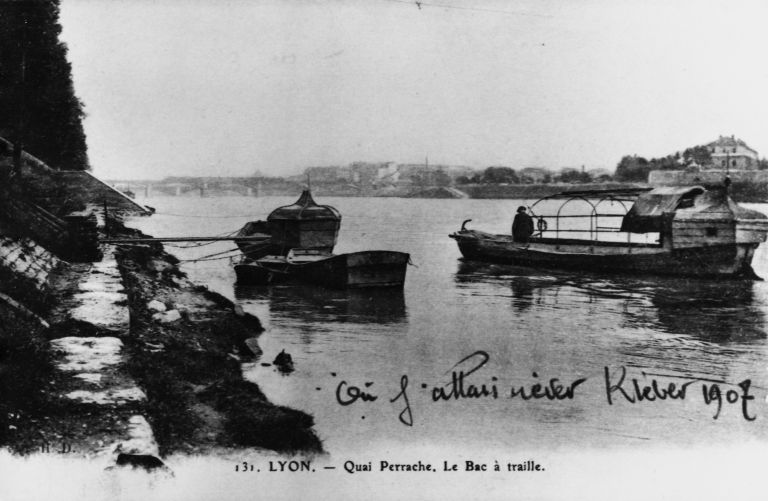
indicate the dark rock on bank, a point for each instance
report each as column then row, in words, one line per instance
column 197, row 399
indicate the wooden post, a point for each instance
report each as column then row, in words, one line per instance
column 106, row 218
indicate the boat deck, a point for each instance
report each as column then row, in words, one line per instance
column 559, row 245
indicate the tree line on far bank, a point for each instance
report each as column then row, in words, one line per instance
column 508, row 175
column 633, row 168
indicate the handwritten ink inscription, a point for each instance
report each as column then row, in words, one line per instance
column 713, row 394
column 466, row 383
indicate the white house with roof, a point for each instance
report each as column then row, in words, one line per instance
column 732, row 153
column 740, row 160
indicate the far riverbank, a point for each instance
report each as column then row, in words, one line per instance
column 740, row 191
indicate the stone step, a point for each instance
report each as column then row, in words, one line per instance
column 101, row 406
column 91, row 381
column 98, row 297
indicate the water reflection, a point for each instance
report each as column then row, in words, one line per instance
column 522, row 293
column 709, row 310
column 717, row 311
column 316, row 304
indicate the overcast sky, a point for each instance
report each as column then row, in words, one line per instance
column 221, row 87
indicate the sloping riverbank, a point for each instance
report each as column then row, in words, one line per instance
column 104, row 355
column 185, row 350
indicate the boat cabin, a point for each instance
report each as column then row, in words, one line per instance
column 304, row 225
column 682, row 217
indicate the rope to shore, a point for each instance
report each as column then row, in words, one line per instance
column 210, row 257
column 203, row 217
column 221, row 258
column 234, row 216
column 227, row 254
column 200, row 244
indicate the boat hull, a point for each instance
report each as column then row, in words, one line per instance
column 344, row 271
column 716, row 260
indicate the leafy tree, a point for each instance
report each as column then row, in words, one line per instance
column 419, row 180
column 498, row 175
column 37, row 99
column 574, row 176
column 603, row 178
column 699, row 154
column 632, row 168
column 463, row 180
column 442, row 179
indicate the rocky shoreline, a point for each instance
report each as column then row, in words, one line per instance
column 160, row 376
column 190, row 367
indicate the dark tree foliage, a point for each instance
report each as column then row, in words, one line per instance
column 463, row 180
column 632, row 168
column 699, row 154
column 670, row 162
column 497, row 175
column 574, row 176
column 637, row 168
column 37, row 98
column 442, row 179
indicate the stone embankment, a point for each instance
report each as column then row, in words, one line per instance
column 126, row 360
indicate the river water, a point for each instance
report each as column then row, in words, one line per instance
column 534, row 325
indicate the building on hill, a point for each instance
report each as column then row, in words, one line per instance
column 733, row 152
column 726, row 152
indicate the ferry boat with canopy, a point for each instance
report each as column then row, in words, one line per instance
column 694, row 232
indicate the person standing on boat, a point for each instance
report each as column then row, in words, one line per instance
column 522, row 226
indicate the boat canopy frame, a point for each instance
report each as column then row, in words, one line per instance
column 597, row 197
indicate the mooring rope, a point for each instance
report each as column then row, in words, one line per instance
column 203, row 217
column 209, row 256
column 227, row 254
column 200, row 244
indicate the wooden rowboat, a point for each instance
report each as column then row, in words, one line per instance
column 352, row 270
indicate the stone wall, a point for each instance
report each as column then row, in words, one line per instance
column 682, row 178
column 27, row 260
